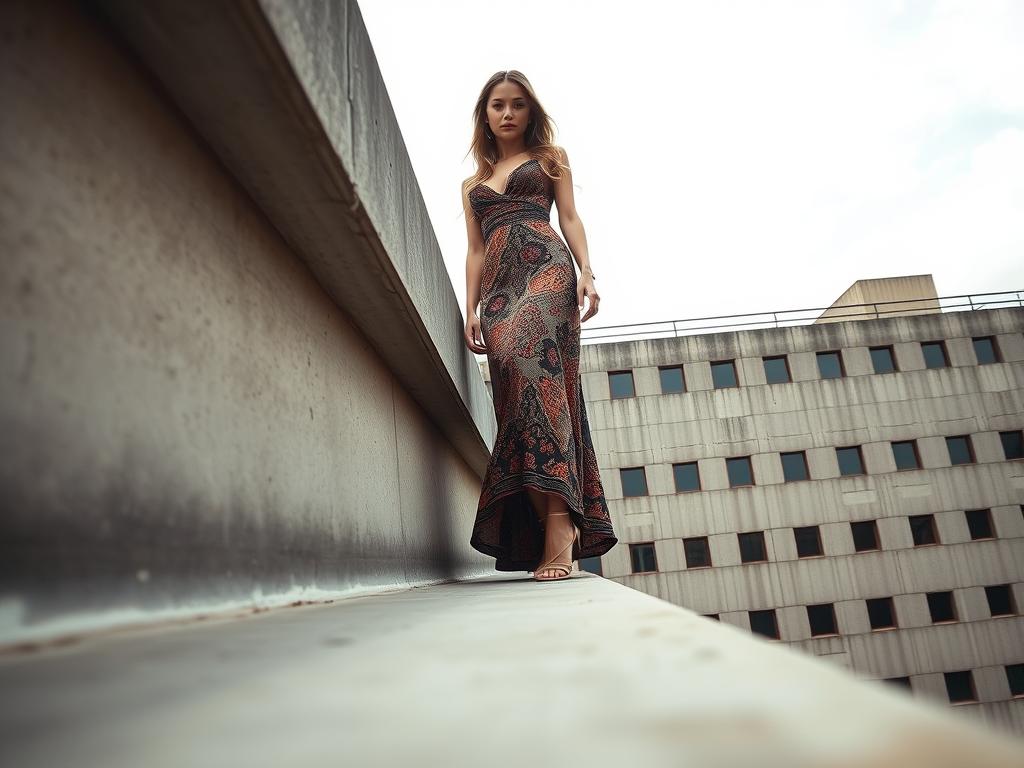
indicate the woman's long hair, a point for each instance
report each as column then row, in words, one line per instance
column 539, row 133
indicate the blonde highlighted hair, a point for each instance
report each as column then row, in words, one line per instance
column 539, row 132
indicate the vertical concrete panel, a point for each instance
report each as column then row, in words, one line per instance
column 187, row 419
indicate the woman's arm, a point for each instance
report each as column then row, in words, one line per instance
column 474, row 269
column 575, row 237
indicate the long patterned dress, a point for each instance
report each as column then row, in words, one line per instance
column 530, row 323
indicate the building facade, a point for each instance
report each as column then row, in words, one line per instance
column 853, row 489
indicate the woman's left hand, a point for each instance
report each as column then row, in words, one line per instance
column 585, row 287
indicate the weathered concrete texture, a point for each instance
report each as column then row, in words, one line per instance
column 187, row 419
column 497, row 672
column 289, row 96
column 706, row 425
column 885, row 297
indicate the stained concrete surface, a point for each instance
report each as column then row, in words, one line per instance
column 493, row 671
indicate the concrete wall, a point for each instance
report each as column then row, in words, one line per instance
column 909, row 294
column 755, row 419
column 192, row 414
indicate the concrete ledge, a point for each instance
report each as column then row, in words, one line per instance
column 494, row 671
column 289, row 96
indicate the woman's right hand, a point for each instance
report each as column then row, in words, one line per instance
column 473, row 336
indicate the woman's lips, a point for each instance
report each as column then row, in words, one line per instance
column 508, row 126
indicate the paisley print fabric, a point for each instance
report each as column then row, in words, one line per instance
column 530, row 323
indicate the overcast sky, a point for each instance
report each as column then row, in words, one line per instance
column 739, row 156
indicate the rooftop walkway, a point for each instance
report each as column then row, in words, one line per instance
column 491, row 671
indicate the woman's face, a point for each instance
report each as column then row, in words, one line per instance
column 508, row 111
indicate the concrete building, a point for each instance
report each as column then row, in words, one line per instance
column 852, row 489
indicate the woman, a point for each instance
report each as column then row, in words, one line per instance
column 542, row 504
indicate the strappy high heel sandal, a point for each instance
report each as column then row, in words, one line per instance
column 554, row 564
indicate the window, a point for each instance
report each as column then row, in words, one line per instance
column 830, row 365
column 850, row 461
column 960, row 686
column 1000, row 600
column 883, row 359
column 723, row 374
column 698, row 554
column 642, row 557
column 822, row 619
column 794, row 466
column 752, row 549
column 1013, row 444
column 672, row 379
column 687, row 476
column 985, row 350
column 634, row 481
column 941, row 606
column 898, row 682
column 620, row 384
column 865, row 535
column 763, row 623
column 776, row 370
column 1015, row 677
column 934, row 354
column 881, row 613
column 922, row 528
column 905, row 454
column 960, row 449
column 740, row 472
column 591, row 565
column 808, row 541
column 979, row 523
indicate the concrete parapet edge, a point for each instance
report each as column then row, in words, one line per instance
column 290, row 98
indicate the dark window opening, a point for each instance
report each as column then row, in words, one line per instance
column 698, row 554
column 634, row 481
column 1000, row 600
column 922, row 528
column 905, row 454
column 979, row 523
column 985, row 350
column 830, row 365
column 960, row 686
column 1013, row 444
column 794, row 466
column 752, row 548
column 865, row 535
column 672, row 380
column 850, row 461
column 822, row 619
column 687, row 476
column 960, row 449
column 739, row 470
column 808, row 541
column 776, row 370
column 642, row 557
column 941, row 606
column 723, row 374
column 934, row 354
column 1015, row 677
column 763, row 623
column 620, row 384
column 883, row 359
column 881, row 613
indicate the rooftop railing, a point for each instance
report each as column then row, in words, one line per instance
column 788, row 317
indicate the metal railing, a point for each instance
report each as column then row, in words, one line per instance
column 788, row 317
